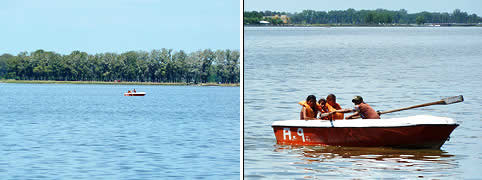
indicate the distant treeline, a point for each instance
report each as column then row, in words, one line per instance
column 352, row 16
column 163, row 65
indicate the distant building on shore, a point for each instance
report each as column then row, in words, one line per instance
column 449, row 24
column 283, row 18
column 263, row 22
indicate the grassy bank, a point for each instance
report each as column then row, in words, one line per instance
column 114, row 83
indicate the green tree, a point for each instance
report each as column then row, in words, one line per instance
column 352, row 16
column 163, row 65
column 3, row 64
column 420, row 20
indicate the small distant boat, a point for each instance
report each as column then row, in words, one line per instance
column 422, row 131
column 135, row 94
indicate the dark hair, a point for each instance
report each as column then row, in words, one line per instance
column 357, row 100
column 331, row 95
column 311, row 98
column 321, row 99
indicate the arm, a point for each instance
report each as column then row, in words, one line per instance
column 305, row 117
column 353, row 115
column 344, row 110
column 322, row 115
column 302, row 116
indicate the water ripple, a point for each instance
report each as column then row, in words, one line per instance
column 390, row 67
column 93, row 132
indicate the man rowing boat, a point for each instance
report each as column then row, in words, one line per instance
column 361, row 109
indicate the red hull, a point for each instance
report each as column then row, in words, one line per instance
column 135, row 94
column 418, row 136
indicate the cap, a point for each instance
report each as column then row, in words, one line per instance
column 357, row 99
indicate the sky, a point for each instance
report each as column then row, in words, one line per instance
column 412, row 6
column 99, row 26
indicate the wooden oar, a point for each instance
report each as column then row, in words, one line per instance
column 444, row 101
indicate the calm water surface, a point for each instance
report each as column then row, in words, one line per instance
column 391, row 68
column 94, row 132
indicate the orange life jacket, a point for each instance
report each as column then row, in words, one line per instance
column 309, row 111
column 334, row 116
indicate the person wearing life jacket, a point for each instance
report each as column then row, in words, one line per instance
column 332, row 107
column 324, row 109
column 309, row 109
column 128, row 91
column 134, row 90
column 362, row 109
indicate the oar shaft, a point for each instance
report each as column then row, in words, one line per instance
column 411, row 107
column 445, row 101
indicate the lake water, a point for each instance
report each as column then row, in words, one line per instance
column 51, row 131
column 391, row 68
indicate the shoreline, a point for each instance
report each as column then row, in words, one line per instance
column 358, row 25
column 115, row 83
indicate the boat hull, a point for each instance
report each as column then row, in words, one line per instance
column 430, row 136
column 135, row 94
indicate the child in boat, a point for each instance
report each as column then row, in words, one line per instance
column 324, row 113
column 309, row 108
column 332, row 106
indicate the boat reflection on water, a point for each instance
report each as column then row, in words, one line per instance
column 381, row 153
column 407, row 163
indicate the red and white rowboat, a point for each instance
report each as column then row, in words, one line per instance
column 135, row 94
column 421, row 131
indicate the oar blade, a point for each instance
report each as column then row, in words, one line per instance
column 454, row 99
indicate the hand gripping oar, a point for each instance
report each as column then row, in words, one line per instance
column 444, row 101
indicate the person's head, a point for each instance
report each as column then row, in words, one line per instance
column 331, row 99
column 311, row 100
column 322, row 102
column 357, row 100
